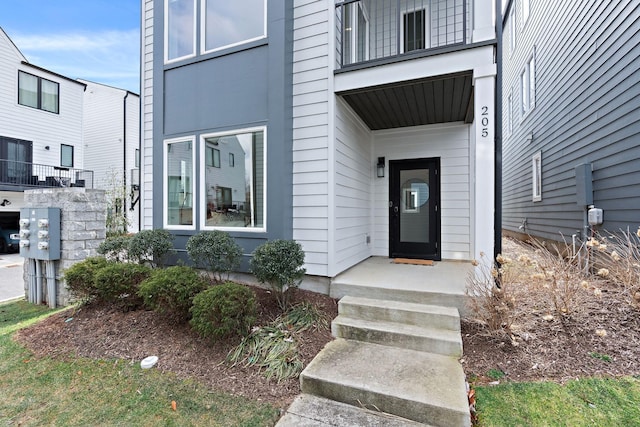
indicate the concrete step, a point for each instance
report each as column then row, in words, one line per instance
column 438, row 341
column 423, row 387
column 313, row 411
column 409, row 313
column 396, row 292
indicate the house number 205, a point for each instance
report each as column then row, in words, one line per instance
column 485, row 121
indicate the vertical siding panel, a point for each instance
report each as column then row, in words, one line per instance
column 146, row 150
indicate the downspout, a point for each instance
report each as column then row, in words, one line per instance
column 124, row 150
column 497, row 217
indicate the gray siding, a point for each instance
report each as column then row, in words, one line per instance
column 587, row 110
column 240, row 87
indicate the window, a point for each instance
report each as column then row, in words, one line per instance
column 525, row 11
column 512, row 30
column 213, row 157
column 414, row 30
column 235, row 194
column 37, row 92
column 137, row 158
column 356, row 33
column 536, row 164
column 180, row 29
column 528, row 86
column 509, row 113
column 66, row 155
column 178, row 183
column 16, row 155
column 229, row 23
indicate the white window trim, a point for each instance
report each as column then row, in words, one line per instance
column 356, row 31
column 165, row 184
column 166, row 34
column 528, row 90
column 526, row 11
column 536, row 176
column 203, row 31
column 203, row 189
column 510, row 113
column 512, row 30
column 427, row 26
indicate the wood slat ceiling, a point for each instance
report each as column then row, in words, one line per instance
column 439, row 99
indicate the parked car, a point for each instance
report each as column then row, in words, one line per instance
column 9, row 240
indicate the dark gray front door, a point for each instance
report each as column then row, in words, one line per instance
column 414, row 212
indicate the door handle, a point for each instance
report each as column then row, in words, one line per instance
column 395, row 209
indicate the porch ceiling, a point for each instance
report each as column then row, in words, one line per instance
column 439, row 99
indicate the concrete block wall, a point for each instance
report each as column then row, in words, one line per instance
column 83, row 217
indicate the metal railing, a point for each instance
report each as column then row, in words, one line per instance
column 368, row 30
column 23, row 174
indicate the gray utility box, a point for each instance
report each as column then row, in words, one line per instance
column 40, row 233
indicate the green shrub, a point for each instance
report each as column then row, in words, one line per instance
column 223, row 310
column 151, row 247
column 115, row 248
column 80, row 278
column 278, row 263
column 118, row 283
column 215, row 251
column 171, row 290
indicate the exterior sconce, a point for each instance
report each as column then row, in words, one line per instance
column 380, row 167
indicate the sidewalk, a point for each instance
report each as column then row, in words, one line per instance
column 11, row 281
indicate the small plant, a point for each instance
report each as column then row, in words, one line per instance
column 223, row 310
column 118, row 283
column 172, row 290
column 603, row 357
column 495, row 374
column 216, row 252
column 152, row 247
column 80, row 278
column 304, row 316
column 278, row 263
column 115, row 248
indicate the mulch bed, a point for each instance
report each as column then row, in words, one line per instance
column 103, row 332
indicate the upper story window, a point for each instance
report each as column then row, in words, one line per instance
column 528, row 86
column 66, row 155
column 230, row 23
column 525, row 11
column 512, row 30
column 509, row 113
column 37, row 92
column 180, row 29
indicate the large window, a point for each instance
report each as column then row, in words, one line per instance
column 528, row 86
column 66, row 155
column 234, row 191
column 536, row 166
column 180, row 29
column 36, row 92
column 356, row 34
column 179, row 183
column 228, row 23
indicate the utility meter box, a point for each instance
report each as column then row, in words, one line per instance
column 595, row 216
column 40, row 233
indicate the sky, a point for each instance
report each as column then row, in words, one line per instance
column 96, row 40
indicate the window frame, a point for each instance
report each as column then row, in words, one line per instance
column 426, row 28
column 165, row 184
column 512, row 30
column 203, row 30
column 167, row 60
column 536, row 177
column 39, row 93
column 65, row 146
column 510, row 113
column 528, row 86
column 526, row 11
column 203, row 186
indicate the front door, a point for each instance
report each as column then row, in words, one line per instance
column 414, row 212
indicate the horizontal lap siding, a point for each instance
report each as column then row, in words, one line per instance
column 311, row 133
column 353, row 188
column 146, row 156
column 587, row 111
column 450, row 143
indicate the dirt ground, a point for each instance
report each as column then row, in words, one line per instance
column 539, row 347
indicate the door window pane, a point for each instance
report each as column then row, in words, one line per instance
column 179, row 184
column 229, row 23
column 180, row 37
column 414, row 214
column 234, row 191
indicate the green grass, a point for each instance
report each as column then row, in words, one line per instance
column 83, row 392
column 585, row 402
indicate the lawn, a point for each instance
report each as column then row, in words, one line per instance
column 585, row 402
column 79, row 391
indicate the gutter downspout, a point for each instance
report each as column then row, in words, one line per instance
column 497, row 217
column 124, row 150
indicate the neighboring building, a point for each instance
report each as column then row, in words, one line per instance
column 112, row 147
column 571, row 116
column 41, row 142
column 365, row 128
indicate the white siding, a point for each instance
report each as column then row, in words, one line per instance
column 451, row 144
column 41, row 127
column 146, row 113
column 311, row 132
column 354, row 172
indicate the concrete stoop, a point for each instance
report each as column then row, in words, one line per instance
column 419, row 386
column 406, row 325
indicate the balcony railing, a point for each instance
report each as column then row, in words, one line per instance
column 368, row 30
column 25, row 175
